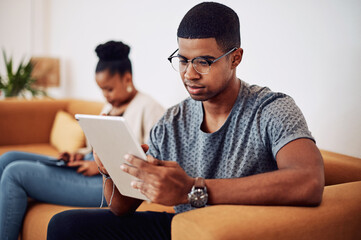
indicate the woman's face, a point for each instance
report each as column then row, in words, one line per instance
column 113, row 87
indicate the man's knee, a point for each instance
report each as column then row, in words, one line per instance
column 62, row 225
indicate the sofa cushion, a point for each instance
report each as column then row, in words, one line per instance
column 66, row 134
column 39, row 214
column 39, row 148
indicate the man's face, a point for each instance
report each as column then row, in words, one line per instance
column 203, row 87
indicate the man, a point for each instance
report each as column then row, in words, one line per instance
column 229, row 143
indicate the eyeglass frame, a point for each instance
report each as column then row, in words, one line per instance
column 210, row 62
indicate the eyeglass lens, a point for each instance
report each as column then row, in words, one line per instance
column 199, row 64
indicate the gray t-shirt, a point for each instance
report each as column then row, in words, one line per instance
column 260, row 124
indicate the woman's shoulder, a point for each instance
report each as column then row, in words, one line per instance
column 144, row 104
column 145, row 100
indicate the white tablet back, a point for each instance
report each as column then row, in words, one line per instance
column 111, row 139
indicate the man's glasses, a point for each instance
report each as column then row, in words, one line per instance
column 201, row 64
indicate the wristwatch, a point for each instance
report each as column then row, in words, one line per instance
column 198, row 196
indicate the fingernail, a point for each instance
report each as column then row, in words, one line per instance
column 127, row 157
column 122, row 167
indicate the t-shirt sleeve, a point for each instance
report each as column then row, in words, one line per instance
column 282, row 122
column 152, row 114
column 154, row 138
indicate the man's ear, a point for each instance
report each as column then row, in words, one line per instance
column 237, row 57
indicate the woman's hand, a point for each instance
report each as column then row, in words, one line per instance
column 87, row 168
column 71, row 157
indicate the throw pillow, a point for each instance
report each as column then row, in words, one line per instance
column 66, row 134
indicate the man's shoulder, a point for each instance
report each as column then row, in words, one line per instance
column 262, row 93
column 263, row 97
column 177, row 119
column 181, row 110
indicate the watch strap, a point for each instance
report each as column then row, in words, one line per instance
column 199, row 183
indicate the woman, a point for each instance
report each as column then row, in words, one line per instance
column 24, row 175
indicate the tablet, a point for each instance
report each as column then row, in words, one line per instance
column 111, row 138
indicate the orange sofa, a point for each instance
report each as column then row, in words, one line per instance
column 26, row 125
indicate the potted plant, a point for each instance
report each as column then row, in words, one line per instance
column 20, row 82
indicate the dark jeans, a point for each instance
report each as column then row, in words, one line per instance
column 103, row 224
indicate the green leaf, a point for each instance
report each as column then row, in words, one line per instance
column 21, row 81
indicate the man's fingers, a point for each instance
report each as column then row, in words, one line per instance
column 149, row 164
column 154, row 161
column 145, row 147
column 144, row 188
column 131, row 170
column 158, row 162
column 136, row 162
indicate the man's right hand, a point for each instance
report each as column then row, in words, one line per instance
column 71, row 157
column 145, row 148
column 99, row 163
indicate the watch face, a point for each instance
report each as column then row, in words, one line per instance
column 198, row 197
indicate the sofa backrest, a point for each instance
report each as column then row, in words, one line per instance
column 340, row 168
column 30, row 121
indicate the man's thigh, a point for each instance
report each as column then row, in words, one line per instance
column 103, row 224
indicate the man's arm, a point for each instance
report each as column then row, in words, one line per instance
column 120, row 204
column 299, row 180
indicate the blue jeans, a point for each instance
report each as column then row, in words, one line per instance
column 24, row 175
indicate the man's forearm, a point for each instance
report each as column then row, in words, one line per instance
column 120, row 204
column 281, row 187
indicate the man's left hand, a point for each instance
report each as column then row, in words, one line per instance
column 163, row 182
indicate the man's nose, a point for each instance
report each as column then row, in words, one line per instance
column 191, row 73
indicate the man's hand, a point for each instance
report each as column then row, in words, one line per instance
column 71, row 157
column 163, row 182
column 87, row 168
column 99, row 163
column 145, row 148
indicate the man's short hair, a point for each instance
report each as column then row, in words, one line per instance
column 212, row 20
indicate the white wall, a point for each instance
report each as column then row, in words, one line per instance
column 309, row 49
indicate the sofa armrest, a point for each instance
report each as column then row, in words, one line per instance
column 338, row 217
column 27, row 121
